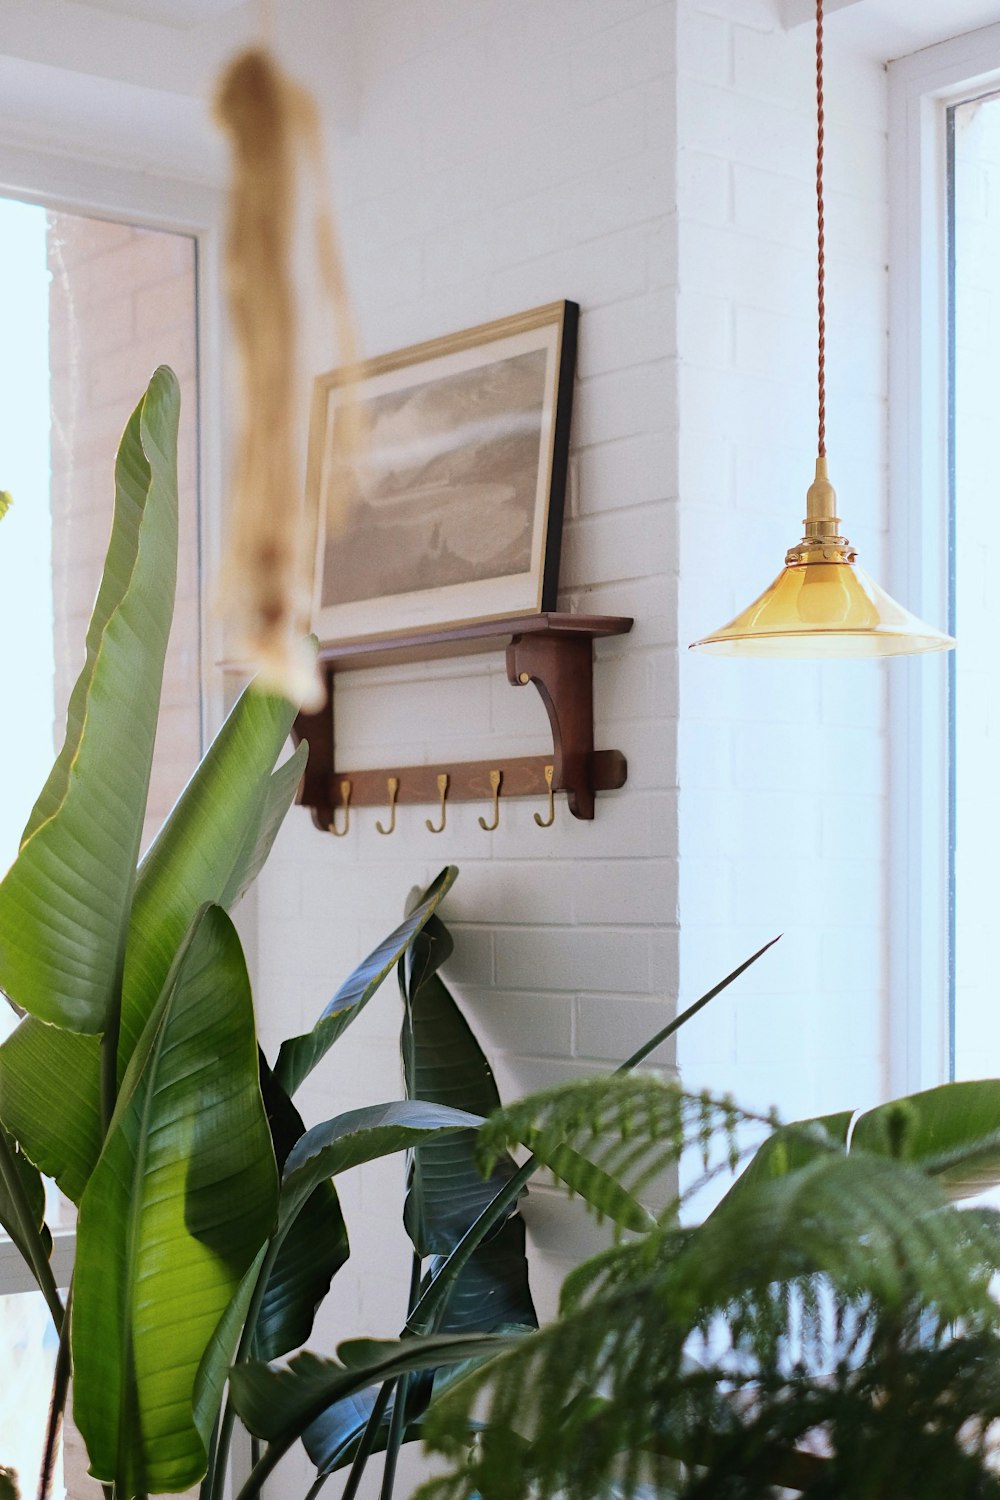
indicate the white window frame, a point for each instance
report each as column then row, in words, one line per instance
column 151, row 201
column 922, row 87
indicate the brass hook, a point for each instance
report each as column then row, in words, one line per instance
column 345, row 802
column 496, row 777
column 548, row 822
column 393, row 784
column 442, row 792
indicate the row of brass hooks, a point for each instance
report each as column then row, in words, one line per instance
column 392, row 785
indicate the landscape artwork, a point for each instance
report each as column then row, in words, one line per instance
column 450, row 512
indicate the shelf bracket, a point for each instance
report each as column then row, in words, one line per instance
column 555, row 652
column 562, row 669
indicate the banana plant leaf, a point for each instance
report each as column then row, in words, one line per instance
column 358, row 1136
column 183, row 1196
column 30, row 1180
column 210, row 846
column 952, row 1133
column 65, row 902
column 298, row 1055
column 443, row 1062
column 313, row 1249
column 220, row 1351
column 277, row 1403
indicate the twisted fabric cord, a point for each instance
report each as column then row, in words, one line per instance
column 820, row 231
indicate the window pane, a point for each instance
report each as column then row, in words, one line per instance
column 976, row 384
column 88, row 309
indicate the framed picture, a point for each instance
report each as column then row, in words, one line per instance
column 455, row 513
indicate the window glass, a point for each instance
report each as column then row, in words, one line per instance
column 974, row 269
column 88, row 309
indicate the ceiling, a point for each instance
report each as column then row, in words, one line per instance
column 892, row 28
column 181, row 13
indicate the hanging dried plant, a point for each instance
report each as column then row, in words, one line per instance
column 274, row 132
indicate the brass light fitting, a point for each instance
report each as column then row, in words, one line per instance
column 822, row 604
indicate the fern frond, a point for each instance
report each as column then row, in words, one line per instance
column 835, row 1295
column 629, row 1128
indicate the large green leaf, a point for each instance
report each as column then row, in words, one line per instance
column 211, row 844
column 177, row 1208
column 300, row 1054
column 312, row 1250
column 278, row 1403
column 65, row 902
column 951, row 1132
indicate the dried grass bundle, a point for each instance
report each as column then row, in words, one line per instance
column 274, row 131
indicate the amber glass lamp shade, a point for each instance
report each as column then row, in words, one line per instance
column 822, row 604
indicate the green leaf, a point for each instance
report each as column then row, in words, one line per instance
column 603, row 1192
column 951, row 1132
column 213, row 1371
column 6, row 501
column 34, row 1192
column 300, row 1054
column 312, row 1250
column 491, row 1293
column 443, row 1062
column 211, row 845
column 176, row 1210
column 65, row 902
column 358, row 1136
column 278, row 1403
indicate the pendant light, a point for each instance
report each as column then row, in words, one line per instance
column 822, row 604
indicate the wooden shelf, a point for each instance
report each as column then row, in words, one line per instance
column 554, row 651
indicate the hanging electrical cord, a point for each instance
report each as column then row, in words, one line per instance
column 820, row 232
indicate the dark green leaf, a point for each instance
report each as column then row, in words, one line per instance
column 300, row 1054
column 313, row 1250
column 443, row 1062
column 278, row 1403
column 358, row 1136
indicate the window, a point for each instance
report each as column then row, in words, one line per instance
column 89, row 306
column 944, row 151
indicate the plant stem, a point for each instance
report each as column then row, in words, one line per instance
column 31, row 1235
column 395, row 1439
column 367, row 1443
column 397, row 1426
column 316, row 1486
column 228, row 1421
column 57, row 1406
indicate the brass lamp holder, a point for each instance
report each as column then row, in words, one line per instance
column 822, row 542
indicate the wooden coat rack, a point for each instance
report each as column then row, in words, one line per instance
column 554, row 651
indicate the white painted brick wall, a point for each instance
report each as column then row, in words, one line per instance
column 652, row 161
column 508, row 153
